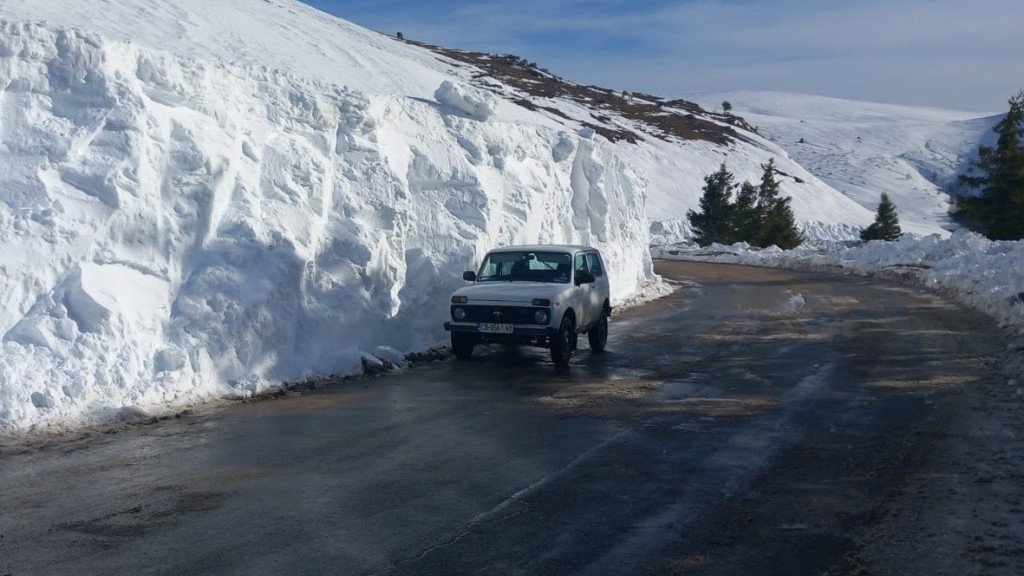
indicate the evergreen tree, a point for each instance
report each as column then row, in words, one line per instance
column 778, row 226
column 726, row 106
column 999, row 211
column 768, row 191
column 887, row 223
column 747, row 217
column 714, row 222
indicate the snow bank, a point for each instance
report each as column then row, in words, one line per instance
column 178, row 229
column 477, row 104
column 980, row 273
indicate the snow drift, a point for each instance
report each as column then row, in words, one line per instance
column 178, row 229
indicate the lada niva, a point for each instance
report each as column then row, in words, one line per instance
column 542, row 296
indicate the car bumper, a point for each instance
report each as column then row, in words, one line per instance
column 516, row 330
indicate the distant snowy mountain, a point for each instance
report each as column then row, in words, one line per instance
column 863, row 149
column 200, row 199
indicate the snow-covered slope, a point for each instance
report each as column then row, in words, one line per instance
column 671, row 144
column 276, row 34
column 864, row 149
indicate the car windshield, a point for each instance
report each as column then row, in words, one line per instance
column 526, row 266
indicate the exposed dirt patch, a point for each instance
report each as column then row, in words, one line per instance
column 646, row 116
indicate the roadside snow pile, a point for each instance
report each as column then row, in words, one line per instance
column 980, row 273
column 474, row 103
column 179, row 229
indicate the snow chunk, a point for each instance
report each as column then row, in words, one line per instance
column 477, row 104
column 564, row 148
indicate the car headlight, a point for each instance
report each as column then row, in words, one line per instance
column 541, row 316
column 459, row 314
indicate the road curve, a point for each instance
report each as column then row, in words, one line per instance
column 755, row 422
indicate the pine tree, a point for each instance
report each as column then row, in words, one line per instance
column 726, row 106
column 747, row 217
column 778, row 226
column 887, row 223
column 999, row 211
column 714, row 222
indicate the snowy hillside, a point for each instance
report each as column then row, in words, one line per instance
column 201, row 199
column 671, row 144
column 863, row 149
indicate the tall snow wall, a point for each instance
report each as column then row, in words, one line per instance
column 179, row 230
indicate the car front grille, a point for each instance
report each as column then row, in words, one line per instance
column 500, row 314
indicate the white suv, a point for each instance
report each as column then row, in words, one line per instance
column 535, row 296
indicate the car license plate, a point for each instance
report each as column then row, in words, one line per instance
column 495, row 328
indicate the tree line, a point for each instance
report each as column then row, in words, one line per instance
column 759, row 216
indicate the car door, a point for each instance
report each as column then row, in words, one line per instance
column 599, row 289
column 582, row 291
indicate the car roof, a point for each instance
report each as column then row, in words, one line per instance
column 545, row 248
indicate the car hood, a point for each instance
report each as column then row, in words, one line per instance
column 512, row 292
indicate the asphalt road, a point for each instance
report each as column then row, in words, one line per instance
column 755, row 422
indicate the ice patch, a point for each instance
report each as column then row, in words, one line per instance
column 796, row 302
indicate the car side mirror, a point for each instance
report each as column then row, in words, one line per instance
column 584, row 278
column 469, row 276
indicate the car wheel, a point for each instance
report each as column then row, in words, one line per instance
column 462, row 346
column 562, row 343
column 598, row 335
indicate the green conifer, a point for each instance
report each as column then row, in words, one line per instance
column 747, row 217
column 714, row 221
column 778, row 226
column 999, row 211
column 887, row 223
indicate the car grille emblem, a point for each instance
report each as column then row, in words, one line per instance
column 497, row 315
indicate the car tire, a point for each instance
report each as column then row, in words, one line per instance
column 598, row 334
column 562, row 343
column 462, row 346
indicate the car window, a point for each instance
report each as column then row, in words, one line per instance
column 594, row 260
column 581, row 263
column 525, row 266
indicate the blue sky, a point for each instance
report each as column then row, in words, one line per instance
column 960, row 54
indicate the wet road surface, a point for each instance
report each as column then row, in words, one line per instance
column 755, row 422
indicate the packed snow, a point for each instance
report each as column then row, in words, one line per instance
column 474, row 103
